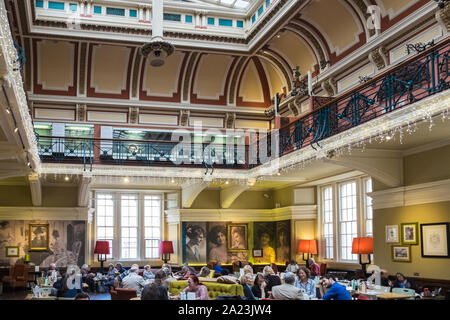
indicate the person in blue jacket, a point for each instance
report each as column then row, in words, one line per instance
column 335, row 290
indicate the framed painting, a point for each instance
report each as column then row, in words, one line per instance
column 401, row 253
column 257, row 253
column 237, row 237
column 12, row 251
column 392, row 234
column 435, row 240
column 39, row 237
column 410, row 233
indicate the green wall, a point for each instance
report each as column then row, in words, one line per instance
column 437, row 268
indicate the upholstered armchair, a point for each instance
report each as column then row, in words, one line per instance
column 17, row 276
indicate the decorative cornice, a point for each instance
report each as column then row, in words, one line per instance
column 379, row 58
column 306, row 212
column 438, row 191
column 43, row 213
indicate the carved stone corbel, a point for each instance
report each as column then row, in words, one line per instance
column 443, row 17
column 328, row 87
column 184, row 117
column 81, row 112
column 229, row 120
column 379, row 58
column 134, row 114
column 293, row 107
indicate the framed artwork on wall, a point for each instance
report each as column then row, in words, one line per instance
column 39, row 237
column 237, row 237
column 12, row 251
column 401, row 253
column 392, row 234
column 410, row 233
column 435, row 240
column 257, row 253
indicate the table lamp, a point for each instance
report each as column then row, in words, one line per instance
column 101, row 248
column 307, row 246
column 165, row 249
column 362, row 246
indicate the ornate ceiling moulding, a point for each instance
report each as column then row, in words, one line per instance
column 234, row 80
column 188, row 75
column 280, row 66
column 362, row 7
column 169, row 34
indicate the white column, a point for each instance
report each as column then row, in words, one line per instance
column 147, row 14
column 141, row 14
column 88, row 9
column 58, row 130
column 198, row 22
column 157, row 23
column 106, row 133
column 82, row 8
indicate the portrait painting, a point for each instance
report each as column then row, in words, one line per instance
column 194, row 242
column 217, row 242
column 264, row 238
column 401, row 253
column 409, row 233
column 39, row 237
column 435, row 240
column 392, row 234
column 283, row 241
column 237, row 237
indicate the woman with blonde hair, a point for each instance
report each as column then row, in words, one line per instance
column 270, row 277
column 248, row 269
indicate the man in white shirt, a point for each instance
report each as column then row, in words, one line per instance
column 133, row 280
column 287, row 291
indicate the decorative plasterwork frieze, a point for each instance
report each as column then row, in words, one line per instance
column 305, row 212
column 81, row 112
column 184, row 117
column 134, row 115
column 329, row 85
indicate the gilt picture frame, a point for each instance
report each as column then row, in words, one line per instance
column 38, row 237
column 12, row 251
column 237, row 237
column 410, row 233
column 401, row 253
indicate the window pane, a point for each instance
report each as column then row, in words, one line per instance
column 152, row 222
column 347, row 219
column 129, row 224
column 327, row 203
column 105, row 219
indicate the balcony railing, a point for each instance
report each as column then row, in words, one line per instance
column 419, row 77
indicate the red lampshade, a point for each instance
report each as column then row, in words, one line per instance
column 101, row 247
column 362, row 246
column 307, row 246
column 165, row 247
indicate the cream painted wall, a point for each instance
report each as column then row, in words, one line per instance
column 427, row 166
column 303, row 230
column 60, row 197
column 254, row 200
column 427, row 213
column 17, row 196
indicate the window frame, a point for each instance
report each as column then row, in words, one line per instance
column 117, row 239
column 336, row 201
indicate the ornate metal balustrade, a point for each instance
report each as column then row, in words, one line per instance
column 417, row 78
column 90, row 151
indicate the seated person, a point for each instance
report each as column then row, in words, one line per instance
column 156, row 290
column 385, row 282
column 82, row 296
column 246, row 280
column 359, row 275
column 184, row 273
column 333, row 289
column 120, row 268
column 259, row 288
column 88, row 276
column 166, row 265
column 148, row 274
column 194, row 285
column 111, row 275
column 274, row 267
column 169, row 276
column 248, row 269
column 191, row 269
column 292, row 267
column 70, row 285
column 314, row 267
column 287, row 291
column 403, row 282
column 271, row 278
column 204, row 272
column 305, row 282
column 133, row 280
column 50, row 269
column 218, row 269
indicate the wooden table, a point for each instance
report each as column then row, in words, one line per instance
column 30, row 297
column 392, row 296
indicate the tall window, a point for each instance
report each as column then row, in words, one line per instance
column 129, row 226
column 368, row 208
column 131, row 222
column 328, row 222
column 152, row 225
column 346, row 213
column 105, row 220
column 347, row 219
